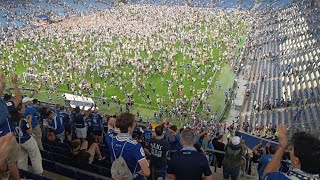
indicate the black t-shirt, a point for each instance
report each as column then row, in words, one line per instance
column 220, row 147
column 83, row 155
column 189, row 165
column 79, row 120
column 158, row 149
column 256, row 157
column 13, row 112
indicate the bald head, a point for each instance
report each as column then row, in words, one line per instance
column 111, row 123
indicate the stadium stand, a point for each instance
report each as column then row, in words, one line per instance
column 285, row 76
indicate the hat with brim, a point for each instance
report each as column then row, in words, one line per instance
column 27, row 99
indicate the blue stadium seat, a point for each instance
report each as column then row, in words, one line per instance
column 81, row 176
column 25, row 174
column 92, row 168
column 285, row 117
column 44, row 154
column 279, row 90
column 45, row 146
column 311, row 117
column 273, row 117
column 49, row 165
column 65, row 171
column 318, row 91
column 30, row 175
column 317, row 112
column 59, row 150
column 262, row 119
column 105, row 172
column 61, row 158
column 38, row 177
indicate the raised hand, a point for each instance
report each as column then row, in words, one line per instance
column 14, row 79
column 283, row 140
column 3, row 80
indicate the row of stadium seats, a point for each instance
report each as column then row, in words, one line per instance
column 307, row 117
column 67, row 171
column 62, row 155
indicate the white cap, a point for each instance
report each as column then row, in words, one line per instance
column 26, row 99
column 235, row 140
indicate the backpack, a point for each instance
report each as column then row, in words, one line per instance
column 119, row 168
column 232, row 157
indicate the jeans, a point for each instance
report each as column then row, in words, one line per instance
column 158, row 174
column 233, row 172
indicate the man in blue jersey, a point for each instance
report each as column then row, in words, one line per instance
column 147, row 134
column 188, row 164
column 304, row 156
column 55, row 122
column 265, row 159
column 27, row 101
column 66, row 120
column 7, row 106
column 132, row 152
column 94, row 121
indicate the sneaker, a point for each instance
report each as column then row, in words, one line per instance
column 103, row 158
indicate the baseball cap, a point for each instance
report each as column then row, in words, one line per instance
column 235, row 140
column 27, row 99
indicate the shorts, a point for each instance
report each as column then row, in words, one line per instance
column 233, row 172
column 81, row 133
column 13, row 155
column 97, row 133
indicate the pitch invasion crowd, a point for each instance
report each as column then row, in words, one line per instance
column 91, row 53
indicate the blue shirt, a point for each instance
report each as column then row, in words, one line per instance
column 94, row 121
column 109, row 135
column 21, row 132
column 147, row 134
column 132, row 152
column 57, row 124
column 5, row 124
column 264, row 161
column 32, row 111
